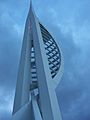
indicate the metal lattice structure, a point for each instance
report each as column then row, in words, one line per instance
column 40, row 71
column 52, row 51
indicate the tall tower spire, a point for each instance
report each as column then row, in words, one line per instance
column 30, row 4
column 39, row 73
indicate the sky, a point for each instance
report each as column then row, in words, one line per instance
column 69, row 22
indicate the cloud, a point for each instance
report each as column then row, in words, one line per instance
column 6, row 103
column 10, row 40
column 6, row 99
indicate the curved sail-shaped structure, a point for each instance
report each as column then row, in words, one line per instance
column 54, row 55
column 40, row 71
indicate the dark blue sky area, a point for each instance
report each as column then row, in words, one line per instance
column 69, row 22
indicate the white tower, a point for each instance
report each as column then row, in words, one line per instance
column 40, row 71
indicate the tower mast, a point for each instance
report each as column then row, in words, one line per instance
column 39, row 72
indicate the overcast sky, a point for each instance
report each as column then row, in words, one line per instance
column 69, row 23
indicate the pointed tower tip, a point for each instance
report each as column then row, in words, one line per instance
column 31, row 9
column 30, row 4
